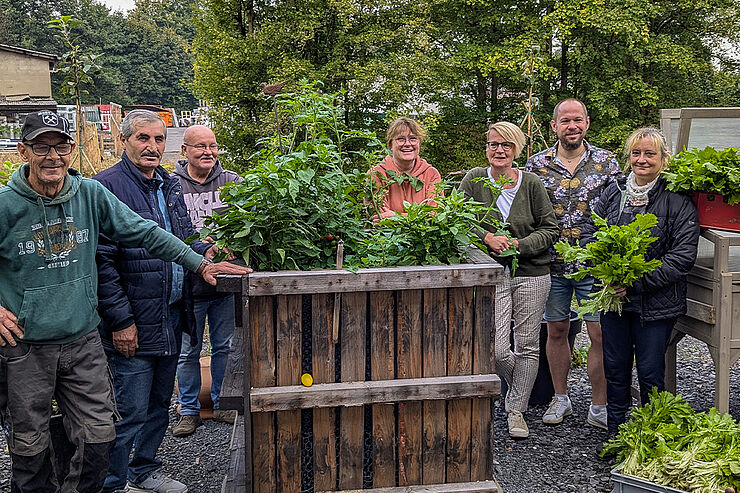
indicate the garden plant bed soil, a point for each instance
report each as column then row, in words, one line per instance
column 553, row 459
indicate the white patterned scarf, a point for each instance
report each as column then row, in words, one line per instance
column 638, row 194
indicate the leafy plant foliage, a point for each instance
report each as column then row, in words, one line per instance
column 666, row 442
column 292, row 208
column 6, row 171
column 615, row 258
column 708, row 170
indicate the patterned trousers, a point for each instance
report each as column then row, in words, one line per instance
column 523, row 300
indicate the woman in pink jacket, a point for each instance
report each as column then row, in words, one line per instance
column 404, row 138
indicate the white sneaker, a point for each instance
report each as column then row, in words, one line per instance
column 597, row 419
column 157, row 483
column 557, row 410
column 517, row 426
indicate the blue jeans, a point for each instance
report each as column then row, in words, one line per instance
column 627, row 339
column 558, row 303
column 143, row 386
column 220, row 313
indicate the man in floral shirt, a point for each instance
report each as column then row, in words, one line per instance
column 574, row 174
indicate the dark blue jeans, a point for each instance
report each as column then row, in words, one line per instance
column 220, row 312
column 627, row 339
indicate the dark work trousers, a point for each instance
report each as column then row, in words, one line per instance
column 627, row 339
column 76, row 375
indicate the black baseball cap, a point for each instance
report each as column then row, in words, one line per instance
column 43, row 122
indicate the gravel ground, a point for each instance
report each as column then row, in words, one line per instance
column 553, row 459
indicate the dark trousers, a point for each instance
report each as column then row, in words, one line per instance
column 627, row 339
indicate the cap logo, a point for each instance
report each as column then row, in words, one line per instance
column 50, row 120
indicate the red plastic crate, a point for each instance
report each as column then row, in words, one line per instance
column 716, row 213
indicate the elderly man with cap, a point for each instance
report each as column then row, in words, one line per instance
column 49, row 343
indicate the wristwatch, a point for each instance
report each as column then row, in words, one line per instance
column 203, row 264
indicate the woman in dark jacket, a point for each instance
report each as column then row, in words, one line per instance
column 654, row 302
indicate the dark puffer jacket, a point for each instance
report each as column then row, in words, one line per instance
column 660, row 294
column 134, row 287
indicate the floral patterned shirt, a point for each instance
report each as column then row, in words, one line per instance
column 573, row 195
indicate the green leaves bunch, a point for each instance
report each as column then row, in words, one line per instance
column 615, row 258
column 292, row 208
column 426, row 234
column 6, row 171
column 708, row 170
column 667, row 442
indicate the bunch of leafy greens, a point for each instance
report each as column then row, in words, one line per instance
column 708, row 170
column 616, row 257
column 7, row 169
column 666, row 442
column 293, row 206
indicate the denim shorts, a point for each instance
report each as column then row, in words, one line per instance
column 561, row 296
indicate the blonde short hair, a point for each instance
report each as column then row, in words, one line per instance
column 511, row 133
column 655, row 136
column 399, row 124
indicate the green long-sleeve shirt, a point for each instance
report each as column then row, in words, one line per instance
column 531, row 220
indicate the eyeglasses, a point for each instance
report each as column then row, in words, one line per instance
column 44, row 149
column 507, row 146
column 203, row 147
column 402, row 140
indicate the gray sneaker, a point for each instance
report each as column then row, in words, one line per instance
column 517, row 426
column 596, row 419
column 557, row 410
column 157, row 483
column 187, row 425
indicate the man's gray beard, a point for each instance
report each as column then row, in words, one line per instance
column 571, row 147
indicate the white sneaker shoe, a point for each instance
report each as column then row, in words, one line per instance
column 557, row 410
column 157, row 483
column 597, row 419
column 517, row 426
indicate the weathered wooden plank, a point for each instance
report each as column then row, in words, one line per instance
column 481, row 453
column 434, row 347
column 234, row 482
column 289, row 329
column 382, row 353
column 232, row 388
column 262, row 342
column 324, row 438
column 352, row 339
column 375, row 392
column 408, row 358
column 380, row 279
column 476, row 487
column 478, row 256
column 459, row 362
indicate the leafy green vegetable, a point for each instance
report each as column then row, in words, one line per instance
column 666, row 442
column 616, row 258
column 708, row 170
column 6, row 171
column 292, row 207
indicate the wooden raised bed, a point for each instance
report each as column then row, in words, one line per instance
column 403, row 387
column 713, row 311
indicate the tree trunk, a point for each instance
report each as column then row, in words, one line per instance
column 494, row 92
column 564, row 68
column 480, row 91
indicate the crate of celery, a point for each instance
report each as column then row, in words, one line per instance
column 616, row 257
column 667, row 445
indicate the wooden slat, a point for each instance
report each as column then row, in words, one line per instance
column 459, row 362
column 352, row 340
column 375, row 392
column 700, row 311
column 434, row 350
column 408, row 357
column 380, row 279
column 234, row 482
column 476, row 487
column 232, row 388
column 382, row 352
column 481, row 454
column 478, row 256
column 289, row 329
column 324, row 435
column 262, row 335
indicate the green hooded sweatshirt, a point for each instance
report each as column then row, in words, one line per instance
column 48, row 274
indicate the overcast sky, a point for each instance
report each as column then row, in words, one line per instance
column 120, row 5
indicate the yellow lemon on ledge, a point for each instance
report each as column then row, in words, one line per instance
column 306, row 379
